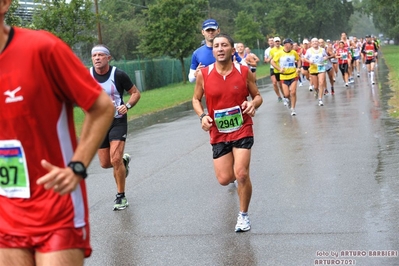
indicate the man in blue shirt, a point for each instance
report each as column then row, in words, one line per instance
column 203, row 56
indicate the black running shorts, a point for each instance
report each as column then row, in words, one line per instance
column 117, row 131
column 223, row 148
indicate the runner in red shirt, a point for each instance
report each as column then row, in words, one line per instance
column 370, row 52
column 43, row 202
column 226, row 86
column 344, row 57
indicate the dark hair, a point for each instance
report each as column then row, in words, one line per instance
column 223, row 35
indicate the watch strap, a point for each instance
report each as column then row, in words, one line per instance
column 202, row 116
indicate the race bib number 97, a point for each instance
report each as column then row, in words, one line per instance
column 14, row 178
column 229, row 119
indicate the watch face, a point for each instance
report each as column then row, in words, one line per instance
column 79, row 167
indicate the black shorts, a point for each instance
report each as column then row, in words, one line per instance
column 289, row 81
column 306, row 68
column 223, row 148
column 117, row 131
column 343, row 68
column 369, row 61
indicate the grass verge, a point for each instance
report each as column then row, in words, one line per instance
column 390, row 53
column 155, row 100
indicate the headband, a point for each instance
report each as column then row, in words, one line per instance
column 100, row 49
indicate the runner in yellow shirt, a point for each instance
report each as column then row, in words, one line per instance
column 288, row 64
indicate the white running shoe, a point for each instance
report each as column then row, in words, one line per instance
column 243, row 223
column 300, row 84
column 285, row 101
column 320, row 102
column 358, row 74
column 372, row 82
column 293, row 113
column 310, row 88
column 346, row 84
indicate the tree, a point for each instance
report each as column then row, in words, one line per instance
column 384, row 14
column 120, row 27
column 11, row 17
column 171, row 27
column 308, row 18
column 73, row 22
column 247, row 30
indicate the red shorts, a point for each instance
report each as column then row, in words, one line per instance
column 61, row 239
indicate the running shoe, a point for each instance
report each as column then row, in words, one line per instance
column 358, row 74
column 126, row 161
column 310, row 88
column 285, row 101
column 279, row 99
column 326, row 92
column 332, row 91
column 346, row 84
column 293, row 113
column 120, row 203
column 372, row 82
column 320, row 102
column 243, row 223
column 300, row 84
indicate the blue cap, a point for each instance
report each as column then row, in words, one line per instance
column 210, row 24
column 288, row 40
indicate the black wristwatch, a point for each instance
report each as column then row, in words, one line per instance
column 78, row 168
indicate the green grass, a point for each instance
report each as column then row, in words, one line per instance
column 155, row 100
column 390, row 53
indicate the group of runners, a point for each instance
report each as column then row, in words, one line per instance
column 43, row 169
column 292, row 63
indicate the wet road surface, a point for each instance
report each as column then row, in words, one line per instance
column 325, row 187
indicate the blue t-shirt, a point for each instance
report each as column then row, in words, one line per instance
column 204, row 55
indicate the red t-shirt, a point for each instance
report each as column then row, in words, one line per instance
column 369, row 50
column 345, row 56
column 223, row 92
column 40, row 80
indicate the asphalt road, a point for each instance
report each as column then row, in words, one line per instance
column 325, row 188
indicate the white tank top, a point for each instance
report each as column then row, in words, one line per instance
column 110, row 88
